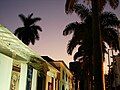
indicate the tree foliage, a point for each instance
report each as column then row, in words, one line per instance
column 29, row 32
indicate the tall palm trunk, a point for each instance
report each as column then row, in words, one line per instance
column 85, row 70
column 76, row 84
column 97, row 48
column 90, row 74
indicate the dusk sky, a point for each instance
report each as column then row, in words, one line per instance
column 52, row 43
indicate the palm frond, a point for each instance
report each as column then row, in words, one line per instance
column 102, row 4
column 79, row 35
column 18, row 32
column 30, row 15
column 83, row 53
column 25, row 37
column 109, row 19
column 87, row 1
column 32, row 38
column 70, row 28
column 110, row 36
column 71, row 45
column 34, row 20
column 69, row 6
column 37, row 36
column 78, row 55
column 81, row 11
column 23, row 18
column 32, row 41
column 35, row 32
column 114, row 3
column 36, row 27
column 32, row 34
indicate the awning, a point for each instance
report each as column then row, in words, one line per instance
column 11, row 46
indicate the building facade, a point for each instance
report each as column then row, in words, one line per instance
column 23, row 69
column 20, row 67
column 52, row 78
column 64, row 79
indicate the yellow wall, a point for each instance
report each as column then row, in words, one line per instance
column 52, row 73
column 48, row 79
column 67, row 84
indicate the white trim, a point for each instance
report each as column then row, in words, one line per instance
column 23, row 76
column 34, row 80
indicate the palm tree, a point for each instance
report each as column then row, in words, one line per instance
column 70, row 4
column 82, row 35
column 97, row 7
column 28, row 33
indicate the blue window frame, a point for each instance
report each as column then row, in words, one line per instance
column 29, row 77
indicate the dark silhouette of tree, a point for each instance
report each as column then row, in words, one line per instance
column 97, row 7
column 69, row 5
column 28, row 33
column 82, row 35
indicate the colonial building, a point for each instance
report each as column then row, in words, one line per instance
column 52, row 78
column 20, row 67
column 23, row 69
column 66, row 77
column 64, row 80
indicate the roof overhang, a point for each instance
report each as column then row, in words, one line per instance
column 11, row 46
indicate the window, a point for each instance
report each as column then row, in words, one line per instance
column 66, row 77
column 63, row 88
column 41, row 80
column 39, row 83
column 50, row 86
column 63, row 75
column 29, row 77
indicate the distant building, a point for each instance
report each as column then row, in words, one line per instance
column 23, row 69
column 64, row 79
column 19, row 65
column 52, row 75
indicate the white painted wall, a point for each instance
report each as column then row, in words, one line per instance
column 23, row 76
column 5, row 72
